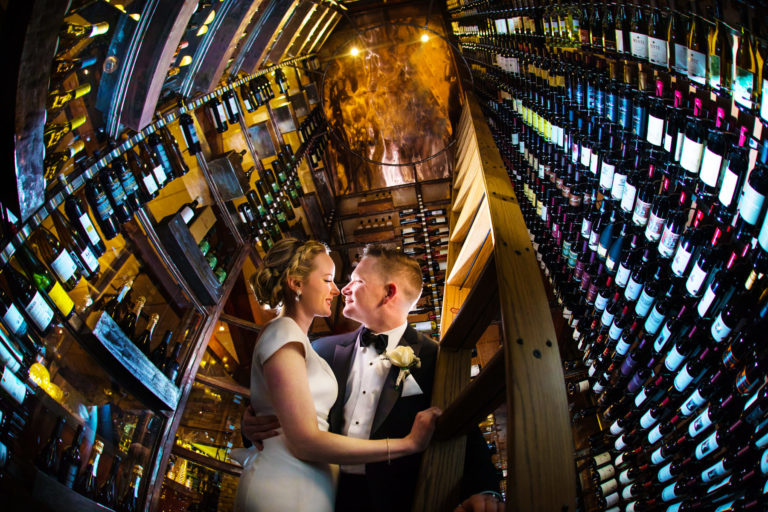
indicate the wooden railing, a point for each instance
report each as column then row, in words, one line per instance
column 493, row 274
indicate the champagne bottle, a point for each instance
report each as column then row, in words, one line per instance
column 45, row 282
column 85, row 483
column 130, row 499
column 128, row 323
column 75, row 210
column 107, row 494
column 144, row 340
column 55, row 161
column 99, row 201
column 112, row 308
column 719, row 72
column 70, row 460
column 48, row 458
column 65, row 264
column 160, row 352
column 53, row 133
column 62, row 68
column 73, row 33
column 58, row 99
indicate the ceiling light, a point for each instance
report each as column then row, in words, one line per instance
column 424, row 37
column 354, row 51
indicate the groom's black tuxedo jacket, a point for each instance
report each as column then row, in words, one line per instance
column 392, row 486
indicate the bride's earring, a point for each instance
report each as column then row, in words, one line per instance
column 298, row 295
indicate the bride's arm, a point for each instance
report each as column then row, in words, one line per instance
column 285, row 373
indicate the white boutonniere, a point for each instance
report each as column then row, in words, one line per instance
column 404, row 358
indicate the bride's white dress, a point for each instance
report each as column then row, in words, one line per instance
column 274, row 480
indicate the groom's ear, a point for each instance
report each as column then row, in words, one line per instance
column 391, row 292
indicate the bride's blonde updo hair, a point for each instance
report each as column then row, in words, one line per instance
column 289, row 257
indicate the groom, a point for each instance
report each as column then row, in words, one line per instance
column 383, row 288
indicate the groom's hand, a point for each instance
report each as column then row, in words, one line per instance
column 258, row 428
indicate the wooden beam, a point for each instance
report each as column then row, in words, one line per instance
column 209, row 462
column 223, row 385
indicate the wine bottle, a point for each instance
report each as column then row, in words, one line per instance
column 73, row 33
column 160, row 352
column 745, row 71
column 678, row 44
column 248, row 100
column 189, row 211
column 130, row 499
column 48, row 458
column 719, row 70
column 77, row 213
column 180, row 167
column 54, row 161
column 85, row 483
column 34, row 304
column 65, row 264
column 144, row 340
column 693, row 141
column 128, row 182
column 53, row 133
column 231, row 107
column 62, row 68
column 155, row 144
column 99, row 202
column 171, row 365
column 714, row 152
column 118, row 200
column 70, row 460
column 638, row 35
column 698, row 48
column 143, row 176
column 107, row 494
column 152, row 160
column 657, row 40
column 58, row 99
column 218, row 116
column 45, row 282
column 128, row 323
column 755, row 189
column 622, row 29
column 189, row 133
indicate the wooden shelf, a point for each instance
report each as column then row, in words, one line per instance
column 49, row 492
column 209, row 462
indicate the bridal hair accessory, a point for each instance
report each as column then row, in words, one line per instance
column 404, row 358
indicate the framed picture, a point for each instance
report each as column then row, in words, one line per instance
column 262, row 140
column 284, row 119
column 299, row 104
column 311, row 90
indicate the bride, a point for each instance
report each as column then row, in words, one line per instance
column 289, row 379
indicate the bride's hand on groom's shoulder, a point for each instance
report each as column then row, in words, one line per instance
column 258, row 428
column 423, row 427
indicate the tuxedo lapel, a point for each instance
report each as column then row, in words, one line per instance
column 390, row 394
column 340, row 364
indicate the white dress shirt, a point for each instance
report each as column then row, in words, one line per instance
column 364, row 384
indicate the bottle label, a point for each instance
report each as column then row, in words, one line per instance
column 668, row 242
column 594, row 163
column 705, row 302
column 609, row 486
column 117, row 192
column 622, row 276
column 719, row 330
column 160, row 175
column 606, row 318
column 697, row 67
column 725, row 507
column 641, row 213
column 719, row 485
column 674, row 359
column 606, row 175
column 714, row 72
column 644, row 303
column 619, row 41
column 594, row 239
column 714, row 471
column 638, row 45
column 13, row 320
column 186, row 214
column 728, row 187
column 653, row 321
column 691, row 155
column 633, row 290
column 39, row 311
column 640, row 397
column 668, row 494
column 586, row 227
column 655, row 131
column 601, row 301
column 707, row 446
column 681, row 58
column 615, row 331
column 89, row 259
column 695, row 279
column 647, row 420
column 653, row 436
column 610, row 106
column 764, row 100
column 61, row 299
column 762, row 238
column 628, row 198
column 617, row 189
column 662, row 338
column 93, row 235
column 668, row 138
column 657, row 457
column 683, row 379
column 601, row 459
column 692, row 403
column 11, row 384
column 700, row 424
column 586, row 156
column 710, row 167
column 103, row 208
column 3, row 455
column 742, row 87
column 665, row 473
column 610, row 501
column 606, row 472
column 10, row 360
column 150, row 183
column 625, row 479
column 64, row 266
column 622, row 347
column 680, row 261
column 751, row 204
column 764, row 462
column 657, row 52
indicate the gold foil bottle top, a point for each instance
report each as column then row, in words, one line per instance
column 138, row 470
column 98, row 446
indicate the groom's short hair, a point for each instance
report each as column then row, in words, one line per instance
column 393, row 263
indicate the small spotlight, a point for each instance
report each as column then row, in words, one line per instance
column 354, row 51
column 424, row 38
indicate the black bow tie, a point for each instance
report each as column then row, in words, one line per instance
column 379, row 341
